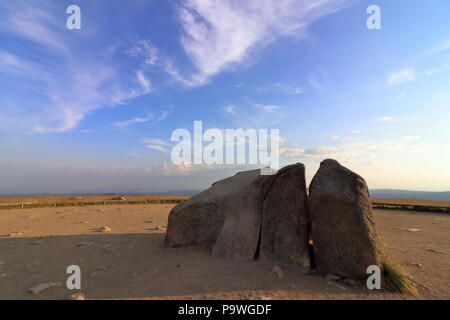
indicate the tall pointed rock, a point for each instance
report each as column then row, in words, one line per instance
column 343, row 229
column 284, row 232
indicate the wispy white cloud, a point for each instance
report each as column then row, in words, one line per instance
column 13, row 65
column 231, row 109
column 154, row 141
column 256, row 116
column 405, row 75
column 386, row 119
column 163, row 115
column 434, row 71
column 218, row 35
column 320, row 82
column 21, row 20
column 281, row 88
column 267, row 107
column 441, row 47
column 150, row 117
column 156, row 147
column 127, row 123
column 350, row 151
column 66, row 88
column 145, row 49
column 155, row 144
column 143, row 81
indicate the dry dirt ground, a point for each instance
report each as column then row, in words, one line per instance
column 129, row 262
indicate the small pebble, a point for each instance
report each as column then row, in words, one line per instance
column 332, row 277
column 44, row 286
column 349, row 282
column 37, row 241
column 411, row 230
column 85, row 244
column 15, row 234
column 335, row 284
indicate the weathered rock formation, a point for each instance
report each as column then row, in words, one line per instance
column 247, row 214
column 225, row 218
column 284, row 232
column 251, row 216
column 343, row 230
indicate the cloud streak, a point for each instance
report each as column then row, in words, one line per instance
column 65, row 89
column 151, row 117
column 386, row 119
column 406, row 75
column 155, row 144
column 218, row 35
column 349, row 152
column 257, row 116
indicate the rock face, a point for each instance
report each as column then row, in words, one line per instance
column 343, row 230
column 284, row 232
column 239, row 213
column 250, row 216
column 225, row 218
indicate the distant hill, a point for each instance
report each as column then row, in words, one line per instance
column 105, row 193
column 405, row 194
column 180, row 193
column 374, row 193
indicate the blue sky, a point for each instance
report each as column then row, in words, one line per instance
column 94, row 109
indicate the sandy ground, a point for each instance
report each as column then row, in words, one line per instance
column 129, row 262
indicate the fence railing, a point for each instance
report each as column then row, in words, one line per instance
column 410, row 207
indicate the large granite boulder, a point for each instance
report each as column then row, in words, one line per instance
column 284, row 232
column 225, row 218
column 343, row 229
column 237, row 214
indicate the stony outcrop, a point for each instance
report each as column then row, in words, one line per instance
column 343, row 229
column 284, row 232
column 271, row 218
column 225, row 218
column 239, row 213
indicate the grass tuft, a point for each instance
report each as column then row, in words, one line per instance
column 395, row 280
